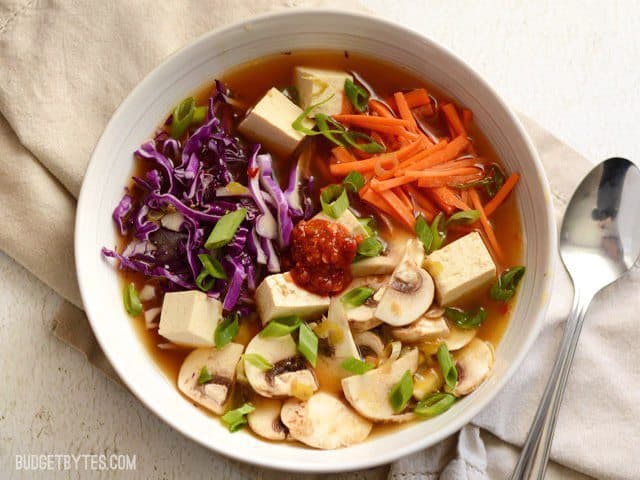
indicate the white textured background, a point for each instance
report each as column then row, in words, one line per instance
column 574, row 66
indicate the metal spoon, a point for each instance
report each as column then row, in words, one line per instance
column 599, row 242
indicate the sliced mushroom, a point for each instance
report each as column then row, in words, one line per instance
column 409, row 293
column 455, row 340
column 335, row 334
column 474, row 363
column 290, row 373
column 369, row 344
column 382, row 264
column 362, row 318
column 324, row 422
column 421, row 330
column 368, row 394
column 427, row 382
column 265, row 419
column 221, row 365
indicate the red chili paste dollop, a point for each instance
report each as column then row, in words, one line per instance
column 322, row 253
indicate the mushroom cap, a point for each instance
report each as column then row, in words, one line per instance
column 368, row 394
column 221, row 364
column 421, row 330
column 408, row 295
column 282, row 353
column 335, row 328
column 363, row 318
column 456, row 339
column 371, row 341
column 265, row 419
column 474, row 363
column 323, row 421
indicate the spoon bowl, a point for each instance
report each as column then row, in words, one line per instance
column 599, row 242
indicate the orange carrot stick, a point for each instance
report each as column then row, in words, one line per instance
column 368, row 120
column 446, row 196
column 405, row 112
column 433, row 182
column 421, row 200
column 423, row 153
column 377, row 201
column 380, row 109
column 467, row 118
column 400, row 193
column 467, row 162
column 488, row 229
column 343, row 155
column 502, row 194
column 382, row 185
column 446, row 154
column 451, row 172
column 417, row 98
column 451, row 114
column 402, row 212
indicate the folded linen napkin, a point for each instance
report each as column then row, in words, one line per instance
column 61, row 82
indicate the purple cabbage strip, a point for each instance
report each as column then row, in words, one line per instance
column 282, row 206
column 121, row 211
column 266, row 224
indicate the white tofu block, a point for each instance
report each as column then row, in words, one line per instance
column 189, row 318
column 347, row 219
column 316, row 84
column 460, row 268
column 269, row 122
column 279, row 296
column 383, row 264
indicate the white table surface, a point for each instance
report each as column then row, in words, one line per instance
column 570, row 65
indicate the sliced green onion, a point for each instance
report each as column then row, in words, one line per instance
column 182, row 117
column 212, row 266
column 298, row 122
column 308, row 344
column 401, row 392
column 199, row 114
column 464, row 217
column 291, row 92
column 434, row 404
column 424, row 233
column 438, row 233
column 464, row 319
column 334, row 200
column 323, row 121
column 236, row 419
column 205, row 282
column 357, row 95
column 357, row 296
column 370, row 247
column 505, row 287
column 279, row 327
column 131, row 300
column 447, row 366
column 354, row 181
column 204, row 376
column 356, row 366
column 369, row 224
column 491, row 182
column 225, row 229
column 258, row 360
column 350, row 137
column 226, row 330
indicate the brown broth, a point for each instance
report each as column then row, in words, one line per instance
column 248, row 83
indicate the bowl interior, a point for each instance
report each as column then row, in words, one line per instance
column 136, row 119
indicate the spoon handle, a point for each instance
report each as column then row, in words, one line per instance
column 535, row 453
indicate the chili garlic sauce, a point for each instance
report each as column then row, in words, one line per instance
column 247, row 88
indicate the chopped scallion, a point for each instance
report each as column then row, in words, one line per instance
column 204, row 282
column 369, row 224
column 447, row 366
column 424, row 233
column 226, row 330
column 131, row 300
column 356, row 366
column 370, row 247
column 279, row 327
column 505, row 287
column 357, row 95
column 204, row 376
column 199, row 114
column 354, row 181
column 212, row 266
column 258, row 361
column 401, row 392
column 356, row 296
column 308, row 344
column 334, row 200
column 182, row 117
column 466, row 320
column 464, row 217
column 236, row 419
column 225, row 229
column 434, row 404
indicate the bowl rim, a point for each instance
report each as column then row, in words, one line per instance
column 402, row 450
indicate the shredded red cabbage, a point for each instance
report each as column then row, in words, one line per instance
column 192, row 178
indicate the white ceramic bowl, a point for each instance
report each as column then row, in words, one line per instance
column 200, row 62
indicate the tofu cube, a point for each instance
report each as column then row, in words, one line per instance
column 190, row 318
column 460, row 268
column 316, row 84
column 347, row 219
column 269, row 122
column 279, row 296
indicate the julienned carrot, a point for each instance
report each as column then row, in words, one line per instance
column 400, row 193
column 382, row 185
column 451, row 114
column 467, row 118
column 434, row 182
column 417, row 98
column 488, row 229
column 502, row 194
column 467, row 162
column 403, row 153
column 380, row 109
column 423, row 153
column 404, row 214
column 368, row 195
column 444, row 196
column 464, row 195
column 343, row 155
column 405, row 111
column 452, row 172
column 367, row 120
column 420, row 199
column 450, row 151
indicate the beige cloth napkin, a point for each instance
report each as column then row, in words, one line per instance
column 64, row 69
